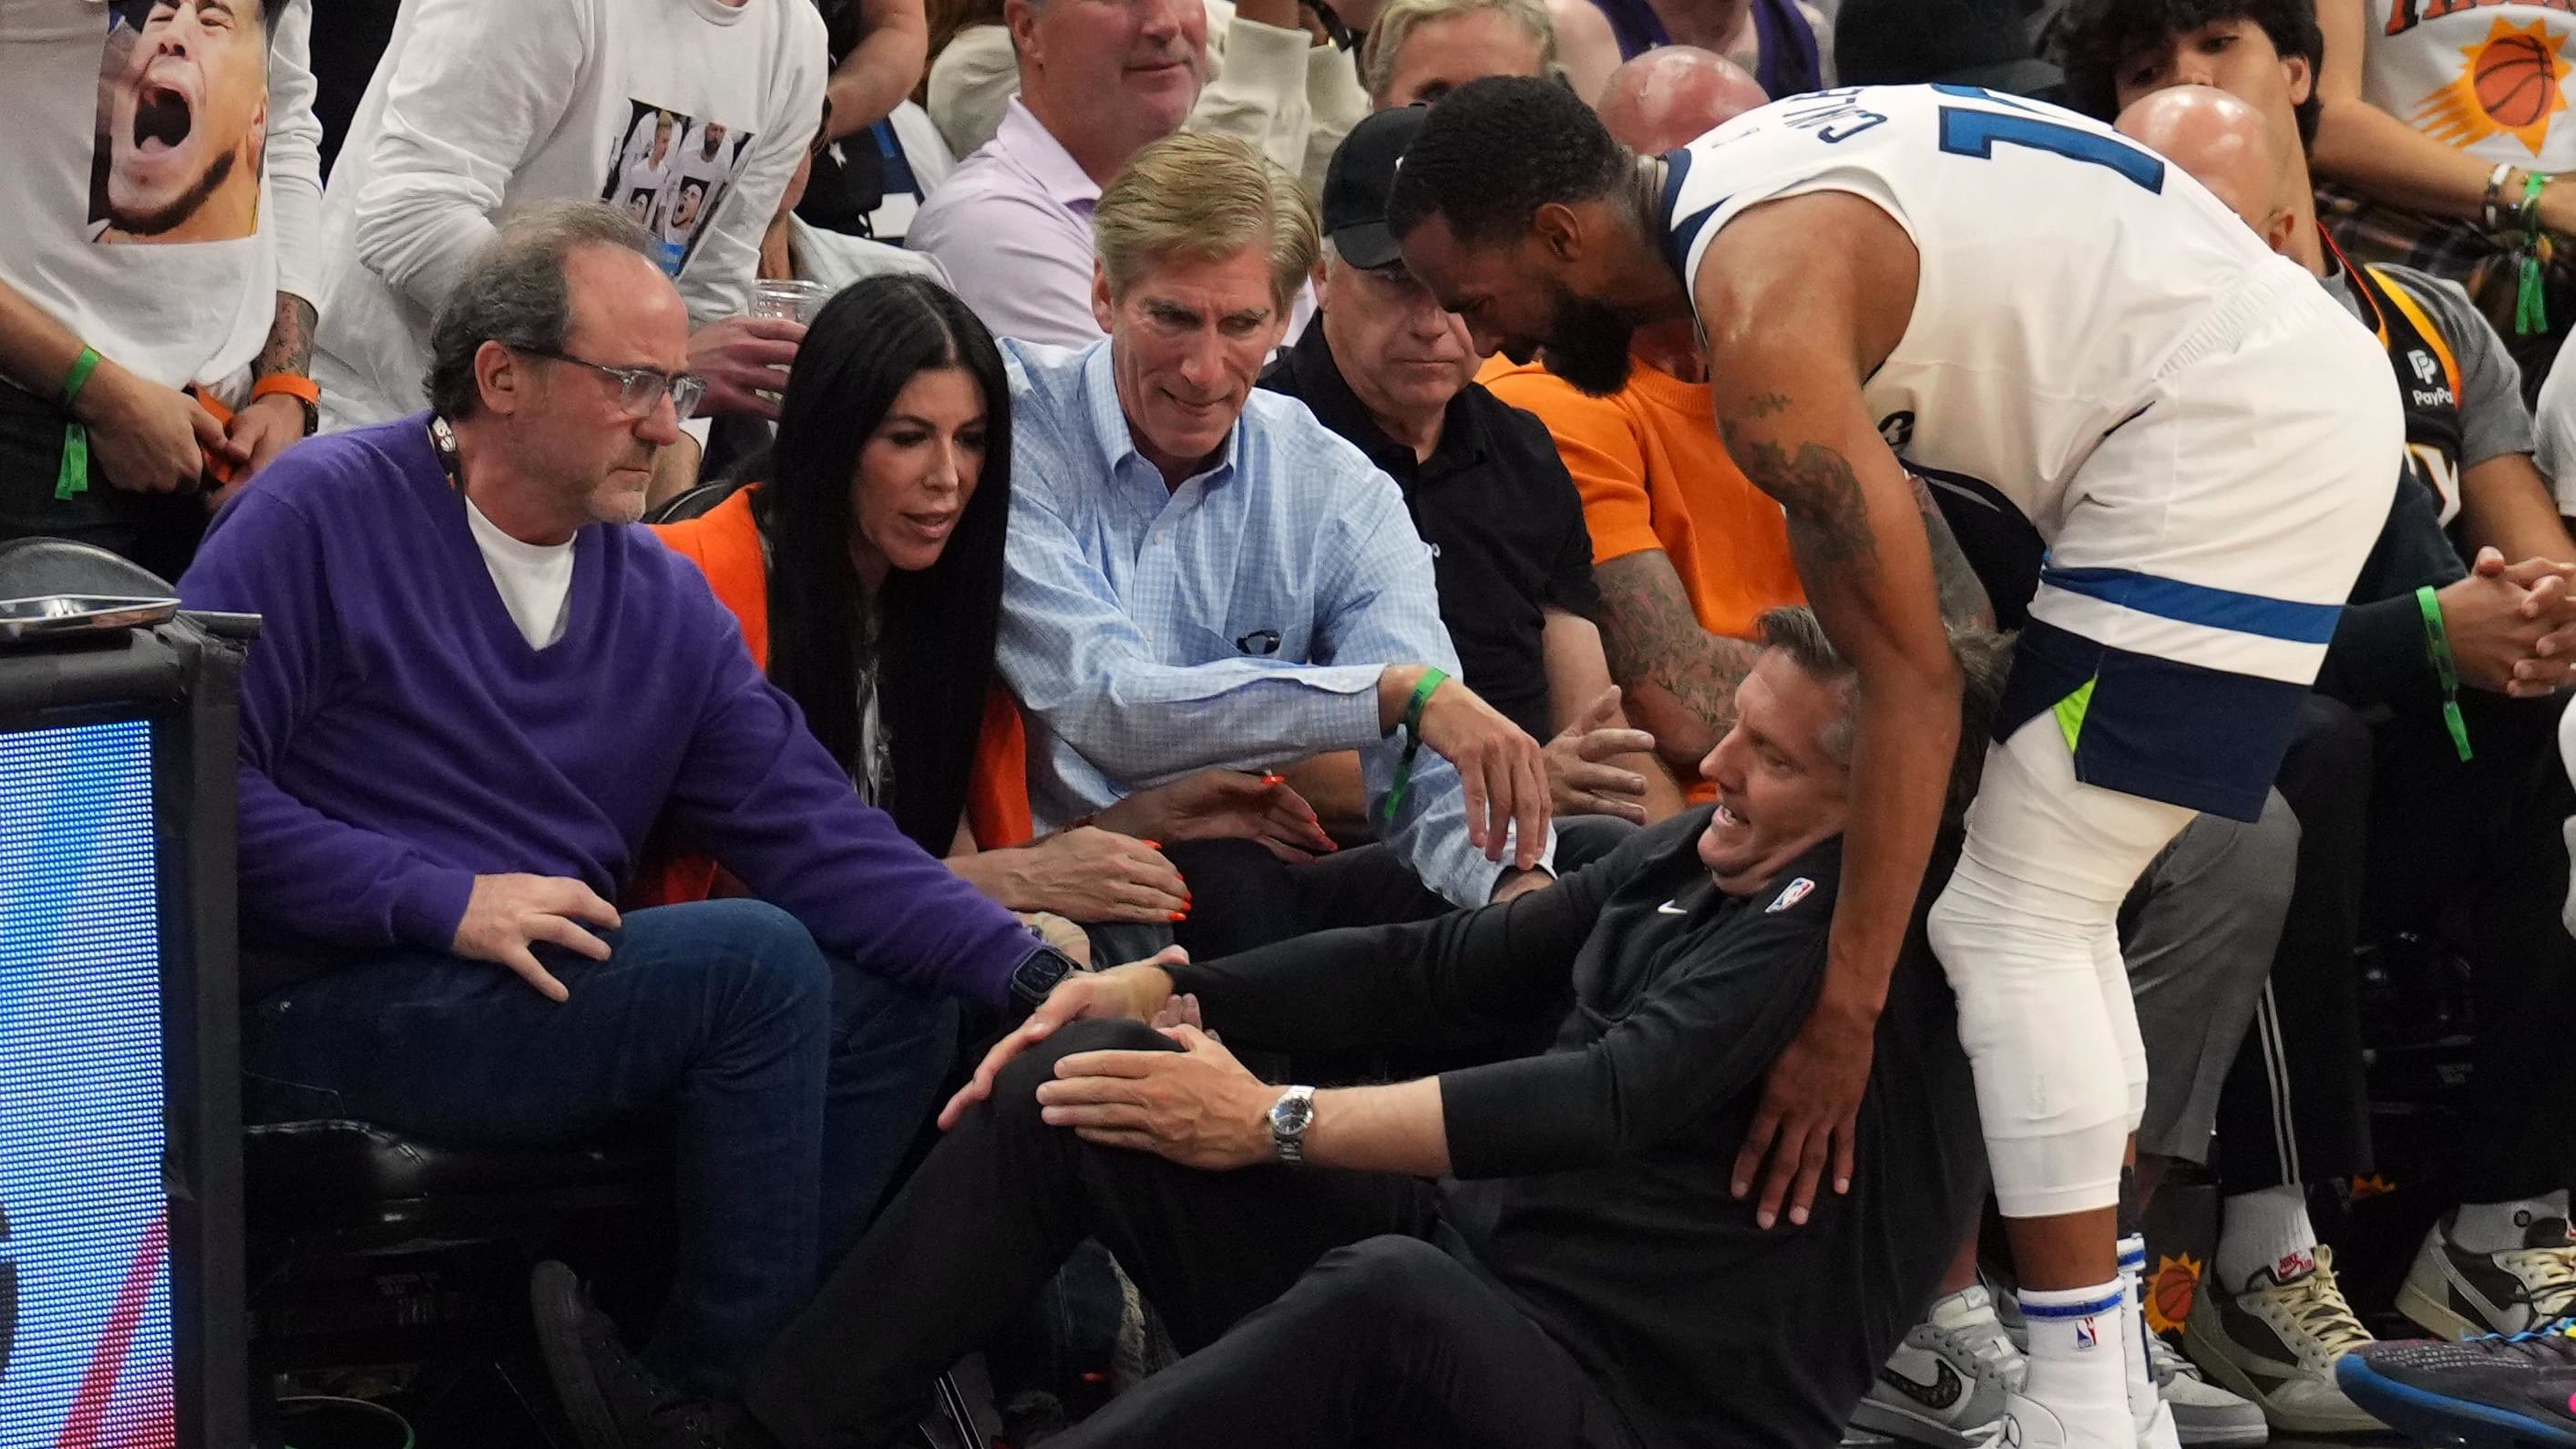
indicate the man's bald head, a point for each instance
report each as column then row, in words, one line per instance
column 2225, row 144
column 1673, row 95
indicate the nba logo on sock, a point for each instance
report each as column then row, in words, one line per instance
column 2086, row 1335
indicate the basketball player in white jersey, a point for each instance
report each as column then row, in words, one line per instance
column 2089, row 358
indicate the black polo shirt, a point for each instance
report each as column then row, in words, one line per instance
column 1501, row 514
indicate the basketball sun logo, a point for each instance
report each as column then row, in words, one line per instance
column 2510, row 85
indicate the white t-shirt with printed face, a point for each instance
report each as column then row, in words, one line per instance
column 162, row 174
column 2488, row 78
column 480, row 105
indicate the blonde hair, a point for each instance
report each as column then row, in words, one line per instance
column 1397, row 22
column 1206, row 197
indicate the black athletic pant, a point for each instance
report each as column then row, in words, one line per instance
column 2398, row 834
column 1313, row 1308
column 2475, row 853
column 157, row 530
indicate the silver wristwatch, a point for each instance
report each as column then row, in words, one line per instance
column 1290, row 1116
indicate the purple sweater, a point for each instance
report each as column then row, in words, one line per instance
column 399, row 737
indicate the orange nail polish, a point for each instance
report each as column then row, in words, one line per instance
column 1179, row 916
column 1153, row 845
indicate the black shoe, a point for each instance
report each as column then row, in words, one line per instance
column 2486, row 1393
column 615, row 1402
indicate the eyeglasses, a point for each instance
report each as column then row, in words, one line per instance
column 639, row 388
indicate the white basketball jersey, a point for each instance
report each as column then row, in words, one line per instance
column 2064, row 269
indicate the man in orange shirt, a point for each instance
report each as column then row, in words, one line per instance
column 1686, row 551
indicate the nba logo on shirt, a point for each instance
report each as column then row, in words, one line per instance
column 2086, row 1335
column 1795, row 892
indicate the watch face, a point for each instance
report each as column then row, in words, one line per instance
column 1291, row 1114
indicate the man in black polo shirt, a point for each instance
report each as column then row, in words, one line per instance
column 1387, row 369
column 1523, row 1250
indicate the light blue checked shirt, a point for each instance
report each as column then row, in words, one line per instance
column 1238, row 621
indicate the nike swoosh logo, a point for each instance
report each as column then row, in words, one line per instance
column 1941, row 1393
column 1669, row 909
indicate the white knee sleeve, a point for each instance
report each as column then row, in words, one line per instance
column 2027, row 931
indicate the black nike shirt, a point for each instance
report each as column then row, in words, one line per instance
column 1591, row 1180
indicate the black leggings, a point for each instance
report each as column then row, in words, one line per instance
column 1313, row 1308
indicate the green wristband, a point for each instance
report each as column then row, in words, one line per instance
column 78, row 377
column 2437, row 645
column 1432, row 678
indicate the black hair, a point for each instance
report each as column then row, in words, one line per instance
column 2094, row 38
column 932, row 630
column 1559, row 151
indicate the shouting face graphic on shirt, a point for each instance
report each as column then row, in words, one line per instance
column 186, row 112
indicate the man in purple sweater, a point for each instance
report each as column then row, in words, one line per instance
column 475, row 694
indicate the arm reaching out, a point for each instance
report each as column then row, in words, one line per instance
column 1794, row 323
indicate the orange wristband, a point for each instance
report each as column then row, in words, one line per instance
column 289, row 384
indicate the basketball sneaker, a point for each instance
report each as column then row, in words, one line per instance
column 2205, row 1416
column 2459, row 1294
column 2494, row 1392
column 2275, row 1342
column 1945, row 1385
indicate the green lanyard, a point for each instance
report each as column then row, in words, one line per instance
column 73, row 480
column 2437, row 643
column 1432, row 679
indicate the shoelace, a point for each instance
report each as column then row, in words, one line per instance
column 2316, row 1304
column 2549, row 1274
column 1990, row 1350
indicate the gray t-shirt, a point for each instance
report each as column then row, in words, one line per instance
column 2492, row 420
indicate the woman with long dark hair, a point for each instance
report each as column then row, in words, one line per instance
column 867, row 572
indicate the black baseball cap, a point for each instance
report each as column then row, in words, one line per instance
column 1357, row 182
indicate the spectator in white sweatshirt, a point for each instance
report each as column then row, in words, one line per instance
column 479, row 105
column 164, row 187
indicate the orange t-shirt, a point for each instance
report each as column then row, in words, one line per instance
column 1654, row 474
column 724, row 543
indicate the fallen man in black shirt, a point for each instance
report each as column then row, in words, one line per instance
column 1542, row 1250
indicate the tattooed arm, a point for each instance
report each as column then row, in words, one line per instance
column 265, row 427
column 1801, row 299
column 1678, row 678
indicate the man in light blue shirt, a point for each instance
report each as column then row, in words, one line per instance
column 1204, row 575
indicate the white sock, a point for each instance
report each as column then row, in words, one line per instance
column 2079, row 1361
column 2265, row 1230
column 2494, row 1227
column 2133, row 1318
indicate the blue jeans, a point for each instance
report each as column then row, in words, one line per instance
column 794, row 1083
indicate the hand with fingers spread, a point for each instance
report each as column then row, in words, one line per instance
column 1094, row 875
column 1809, row 1115
column 1137, row 991
column 1222, row 805
column 1501, row 768
column 1579, row 781
column 741, row 358
column 507, row 914
column 1197, row 1106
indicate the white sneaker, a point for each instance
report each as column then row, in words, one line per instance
column 1945, row 1385
column 2275, row 1343
column 2205, row 1416
column 2029, row 1424
column 2460, row 1294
